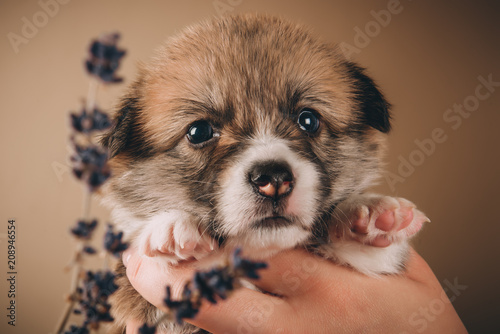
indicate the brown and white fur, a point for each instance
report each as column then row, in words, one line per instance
column 262, row 181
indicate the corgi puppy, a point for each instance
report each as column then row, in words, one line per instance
column 248, row 131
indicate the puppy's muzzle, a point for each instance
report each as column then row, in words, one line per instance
column 272, row 179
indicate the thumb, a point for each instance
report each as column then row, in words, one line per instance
column 150, row 276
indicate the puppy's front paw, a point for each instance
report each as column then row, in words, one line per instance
column 379, row 220
column 175, row 234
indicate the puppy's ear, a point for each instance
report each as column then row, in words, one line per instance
column 120, row 135
column 126, row 135
column 372, row 103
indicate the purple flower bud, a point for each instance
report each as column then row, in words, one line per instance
column 113, row 242
column 90, row 165
column 85, row 122
column 184, row 308
column 104, row 58
column 216, row 282
column 246, row 268
column 83, row 230
column 77, row 330
column 95, row 292
column 145, row 329
column 89, row 250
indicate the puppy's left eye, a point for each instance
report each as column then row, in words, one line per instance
column 308, row 121
column 199, row 132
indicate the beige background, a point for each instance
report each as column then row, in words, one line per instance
column 426, row 59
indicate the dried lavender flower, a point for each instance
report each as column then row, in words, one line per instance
column 97, row 313
column 216, row 282
column 90, row 165
column 184, row 308
column 89, row 250
column 113, row 242
column 77, row 330
column 104, row 58
column 93, row 156
column 245, row 267
column 83, row 230
column 93, row 299
column 105, row 283
column 86, row 122
column 97, row 287
column 145, row 329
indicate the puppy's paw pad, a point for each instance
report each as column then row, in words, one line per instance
column 382, row 221
column 414, row 223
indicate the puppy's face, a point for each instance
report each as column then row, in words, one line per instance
column 252, row 126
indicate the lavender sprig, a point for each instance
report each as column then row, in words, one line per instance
column 91, row 290
column 212, row 285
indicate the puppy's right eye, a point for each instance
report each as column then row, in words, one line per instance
column 308, row 121
column 199, row 132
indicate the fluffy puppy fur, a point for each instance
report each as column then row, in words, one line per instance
column 249, row 131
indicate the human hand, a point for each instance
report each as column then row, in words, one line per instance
column 314, row 296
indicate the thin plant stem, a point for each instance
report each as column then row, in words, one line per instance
column 106, row 261
column 75, row 280
column 92, row 95
column 64, row 319
column 77, row 268
column 87, row 199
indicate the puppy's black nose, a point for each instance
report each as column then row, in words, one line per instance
column 272, row 179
